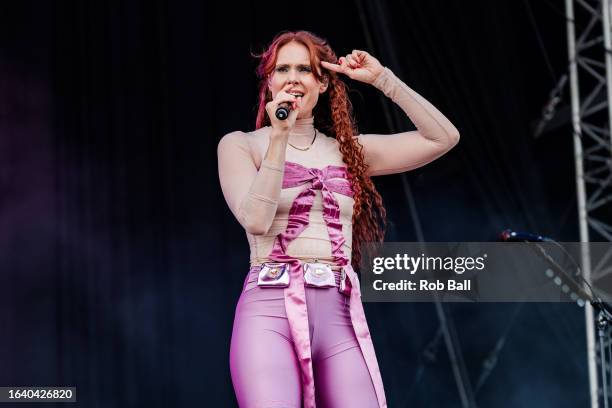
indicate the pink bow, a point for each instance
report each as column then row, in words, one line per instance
column 331, row 179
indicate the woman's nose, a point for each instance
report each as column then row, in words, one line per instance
column 292, row 76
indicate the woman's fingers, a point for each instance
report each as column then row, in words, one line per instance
column 351, row 61
column 283, row 97
column 345, row 64
column 330, row 66
column 333, row 67
column 359, row 55
column 355, row 60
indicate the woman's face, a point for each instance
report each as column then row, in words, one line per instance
column 293, row 74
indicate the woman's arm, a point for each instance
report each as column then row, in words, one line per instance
column 396, row 153
column 399, row 152
column 251, row 194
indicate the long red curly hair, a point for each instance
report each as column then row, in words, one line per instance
column 333, row 115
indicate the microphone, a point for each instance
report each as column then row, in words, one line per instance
column 514, row 236
column 282, row 112
column 577, row 288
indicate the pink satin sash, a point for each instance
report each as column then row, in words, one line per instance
column 331, row 179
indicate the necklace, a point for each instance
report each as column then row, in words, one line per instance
column 303, row 149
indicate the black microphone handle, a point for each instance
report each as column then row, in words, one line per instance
column 282, row 111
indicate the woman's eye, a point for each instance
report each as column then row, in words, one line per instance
column 305, row 69
column 281, row 69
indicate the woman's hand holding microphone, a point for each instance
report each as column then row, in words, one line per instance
column 279, row 135
column 283, row 127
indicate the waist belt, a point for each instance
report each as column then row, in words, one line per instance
column 318, row 275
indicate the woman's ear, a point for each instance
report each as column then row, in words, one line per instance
column 324, row 84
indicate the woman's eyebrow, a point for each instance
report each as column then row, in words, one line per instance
column 296, row 65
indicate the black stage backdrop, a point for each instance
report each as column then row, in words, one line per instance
column 120, row 263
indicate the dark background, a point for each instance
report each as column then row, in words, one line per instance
column 120, row 263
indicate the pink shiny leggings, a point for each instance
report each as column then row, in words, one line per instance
column 264, row 367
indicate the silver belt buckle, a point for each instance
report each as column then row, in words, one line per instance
column 319, row 275
column 273, row 275
column 345, row 283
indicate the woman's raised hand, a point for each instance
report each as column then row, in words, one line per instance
column 359, row 65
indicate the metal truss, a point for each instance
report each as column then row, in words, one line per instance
column 590, row 71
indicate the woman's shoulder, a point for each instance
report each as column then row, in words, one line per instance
column 253, row 143
column 244, row 139
column 327, row 143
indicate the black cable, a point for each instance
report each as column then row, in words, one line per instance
column 491, row 361
column 427, row 357
column 555, row 9
column 540, row 42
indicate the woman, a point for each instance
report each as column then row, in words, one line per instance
column 301, row 188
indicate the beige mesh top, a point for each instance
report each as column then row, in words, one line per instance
column 252, row 187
